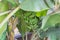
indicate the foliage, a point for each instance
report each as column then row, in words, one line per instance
column 50, row 20
column 29, row 12
column 3, row 7
column 36, row 5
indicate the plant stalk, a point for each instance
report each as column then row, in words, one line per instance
column 6, row 12
column 26, row 35
column 7, row 18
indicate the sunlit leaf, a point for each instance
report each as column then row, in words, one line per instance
column 41, row 13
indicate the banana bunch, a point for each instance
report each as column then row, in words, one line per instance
column 31, row 20
column 27, row 21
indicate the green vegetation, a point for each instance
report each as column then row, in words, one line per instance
column 32, row 16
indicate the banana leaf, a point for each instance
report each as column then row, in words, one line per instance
column 36, row 5
column 52, row 33
column 50, row 21
column 3, row 8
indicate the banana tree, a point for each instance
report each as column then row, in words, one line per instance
column 29, row 12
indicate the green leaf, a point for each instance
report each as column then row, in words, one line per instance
column 38, row 14
column 36, row 5
column 3, row 6
column 4, row 27
column 13, row 2
column 2, row 18
column 50, row 21
column 41, row 13
column 51, row 32
column 50, row 3
column 52, row 36
column 3, row 36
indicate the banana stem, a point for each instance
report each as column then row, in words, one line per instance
column 26, row 35
column 23, row 38
column 7, row 18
